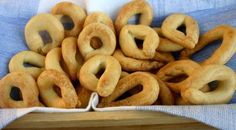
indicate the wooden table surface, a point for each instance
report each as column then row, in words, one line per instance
column 127, row 120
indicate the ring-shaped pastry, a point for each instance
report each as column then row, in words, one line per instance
column 107, row 82
column 47, row 80
column 131, row 9
column 76, row 13
column 173, row 21
column 98, row 30
column 71, row 56
column 129, row 46
column 204, row 75
column 147, row 96
column 27, row 86
column 48, row 23
column 226, row 50
column 17, row 63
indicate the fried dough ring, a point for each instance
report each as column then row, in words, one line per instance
column 204, row 75
column 99, row 17
column 50, row 78
column 27, row 85
column 172, row 22
column 226, row 50
column 98, row 30
column 166, row 45
column 106, row 84
column 131, row 64
column 55, row 61
column 147, row 96
column 142, row 32
column 76, row 13
column 131, row 9
column 83, row 96
column 47, row 23
column 17, row 63
column 71, row 56
column 174, row 69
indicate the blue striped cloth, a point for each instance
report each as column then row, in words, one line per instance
column 14, row 14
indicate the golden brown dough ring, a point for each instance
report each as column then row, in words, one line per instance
column 147, row 96
column 17, row 63
column 106, row 84
column 99, row 17
column 47, row 23
column 174, row 69
column 131, row 9
column 76, row 13
column 166, row 45
column 55, row 61
column 204, row 75
column 173, row 21
column 50, row 78
column 142, row 32
column 83, row 96
column 131, row 64
column 226, row 50
column 98, row 30
column 71, row 56
column 27, row 86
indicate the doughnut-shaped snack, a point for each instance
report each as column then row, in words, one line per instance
column 99, row 17
column 204, row 75
column 131, row 64
column 172, row 22
column 18, row 61
column 27, row 86
column 225, row 51
column 55, row 61
column 49, row 25
column 181, row 69
column 131, row 9
column 141, row 32
column 166, row 45
column 67, row 97
column 147, row 96
column 83, row 96
column 76, row 13
column 71, row 56
column 98, row 30
column 107, row 82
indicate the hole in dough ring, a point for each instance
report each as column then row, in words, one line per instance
column 46, row 80
column 172, row 22
column 147, row 96
column 106, row 84
column 47, row 23
column 76, row 13
column 17, row 63
column 226, row 50
column 204, row 75
column 132, row 8
column 27, row 86
column 129, row 47
column 101, row 31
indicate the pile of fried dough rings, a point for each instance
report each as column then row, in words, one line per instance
column 73, row 54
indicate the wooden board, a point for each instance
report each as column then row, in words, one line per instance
column 127, row 120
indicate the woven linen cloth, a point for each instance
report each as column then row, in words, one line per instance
column 14, row 14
